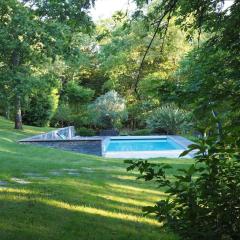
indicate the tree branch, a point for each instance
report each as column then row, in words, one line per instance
column 168, row 12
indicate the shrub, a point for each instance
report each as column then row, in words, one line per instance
column 77, row 93
column 85, row 132
column 108, row 110
column 81, row 120
column 169, row 119
column 40, row 109
column 138, row 112
column 140, row 132
column 203, row 200
column 62, row 117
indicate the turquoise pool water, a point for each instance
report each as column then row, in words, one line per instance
column 129, row 145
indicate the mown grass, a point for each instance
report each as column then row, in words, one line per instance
column 71, row 196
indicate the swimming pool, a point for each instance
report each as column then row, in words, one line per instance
column 144, row 146
column 122, row 145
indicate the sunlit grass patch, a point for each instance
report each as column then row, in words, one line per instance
column 102, row 201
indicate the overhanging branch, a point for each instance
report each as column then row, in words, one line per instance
column 168, row 12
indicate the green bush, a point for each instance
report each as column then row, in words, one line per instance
column 88, row 132
column 141, row 132
column 138, row 111
column 77, row 93
column 108, row 111
column 81, row 120
column 62, row 117
column 203, row 200
column 40, row 109
column 169, row 119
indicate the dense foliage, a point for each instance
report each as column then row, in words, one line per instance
column 33, row 34
column 169, row 119
column 40, row 109
column 86, row 132
column 203, row 200
column 66, row 54
column 108, row 110
column 142, row 72
column 190, row 62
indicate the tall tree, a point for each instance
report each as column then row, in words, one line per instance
column 195, row 17
column 32, row 30
column 122, row 44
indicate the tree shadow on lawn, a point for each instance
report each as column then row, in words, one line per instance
column 105, row 191
column 109, row 196
column 31, row 218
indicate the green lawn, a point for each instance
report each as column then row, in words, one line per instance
column 71, row 196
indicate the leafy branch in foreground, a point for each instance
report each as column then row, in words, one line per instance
column 203, row 200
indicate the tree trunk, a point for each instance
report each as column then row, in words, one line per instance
column 7, row 112
column 18, row 118
column 218, row 124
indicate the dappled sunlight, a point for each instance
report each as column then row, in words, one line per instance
column 78, row 184
column 14, row 198
column 18, row 194
column 124, row 177
column 103, row 193
column 15, row 190
column 110, row 169
column 82, row 209
column 6, row 139
column 7, row 150
column 33, row 131
column 101, row 212
column 119, row 120
column 124, row 208
column 126, row 188
column 128, row 200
